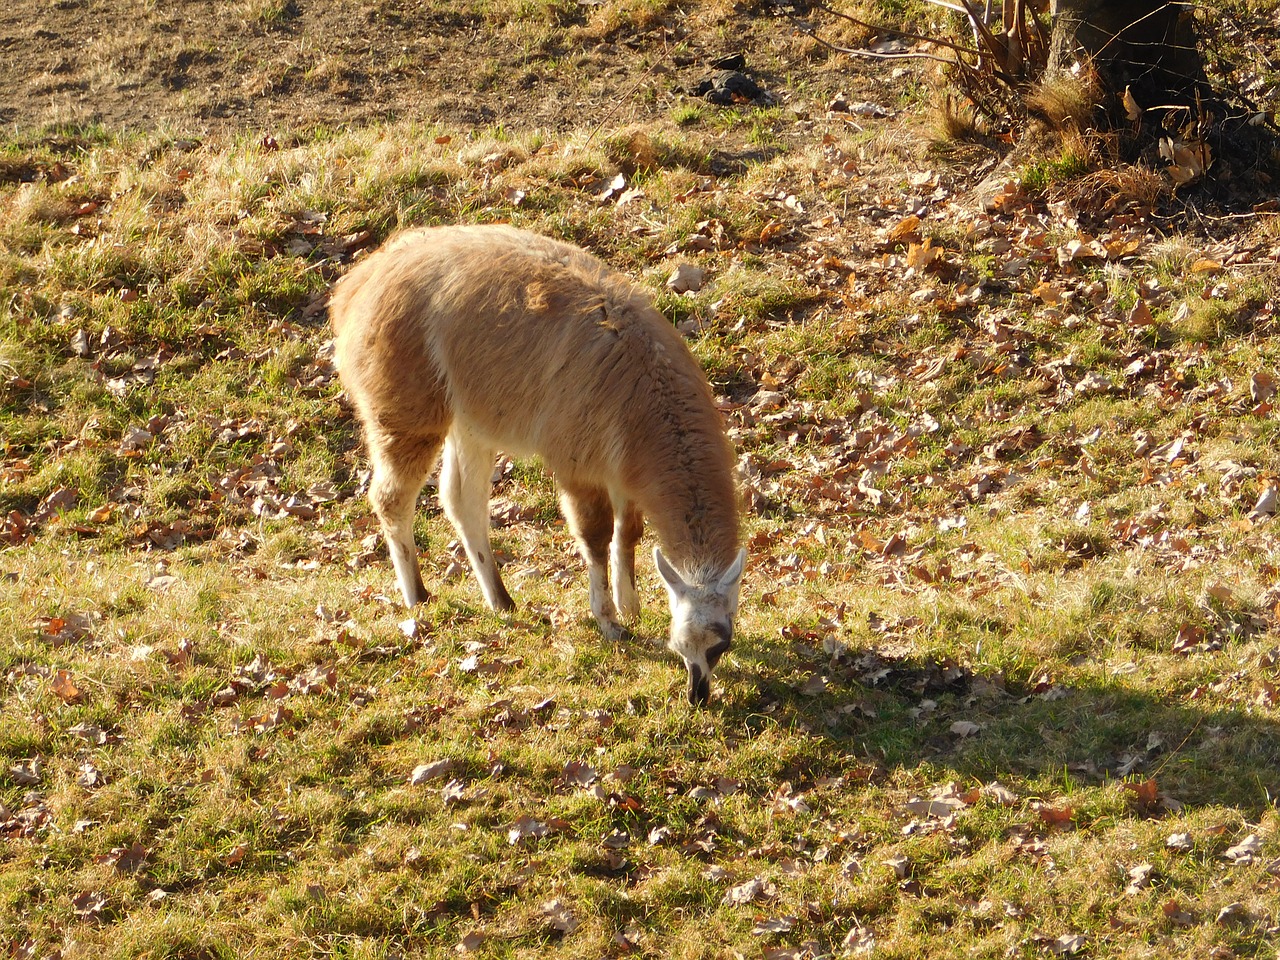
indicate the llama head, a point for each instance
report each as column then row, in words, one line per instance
column 702, row 618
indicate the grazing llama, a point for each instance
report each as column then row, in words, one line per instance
column 488, row 338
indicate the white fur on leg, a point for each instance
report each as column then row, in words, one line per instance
column 602, row 604
column 464, row 493
column 622, row 562
column 404, row 557
column 395, row 507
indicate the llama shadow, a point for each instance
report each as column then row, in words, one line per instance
column 894, row 710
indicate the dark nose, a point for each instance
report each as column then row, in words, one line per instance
column 699, row 686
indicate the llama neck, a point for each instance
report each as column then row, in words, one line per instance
column 678, row 463
column 698, row 536
column 689, row 497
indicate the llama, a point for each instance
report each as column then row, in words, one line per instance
column 477, row 339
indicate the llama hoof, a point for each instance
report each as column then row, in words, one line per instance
column 616, row 632
column 502, row 603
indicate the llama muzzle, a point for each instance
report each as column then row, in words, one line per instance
column 699, row 686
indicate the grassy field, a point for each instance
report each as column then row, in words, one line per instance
column 1007, row 680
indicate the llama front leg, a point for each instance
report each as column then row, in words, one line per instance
column 628, row 525
column 589, row 513
column 464, row 493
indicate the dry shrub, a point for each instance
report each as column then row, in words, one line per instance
column 632, row 150
column 956, row 122
column 1108, row 189
column 1067, row 101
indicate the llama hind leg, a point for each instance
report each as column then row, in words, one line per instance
column 590, row 515
column 400, row 467
column 465, row 482
column 628, row 525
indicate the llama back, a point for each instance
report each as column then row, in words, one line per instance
column 536, row 345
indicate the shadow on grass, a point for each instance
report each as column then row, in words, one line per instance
column 895, row 710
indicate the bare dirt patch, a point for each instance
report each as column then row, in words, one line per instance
column 260, row 64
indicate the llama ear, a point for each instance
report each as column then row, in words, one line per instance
column 731, row 580
column 733, row 575
column 675, row 585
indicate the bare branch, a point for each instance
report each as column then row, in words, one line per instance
column 879, row 28
column 811, row 32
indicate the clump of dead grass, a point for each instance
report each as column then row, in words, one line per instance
column 1066, row 101
column 1115, row 188
column 611, row 15
column 38, row 203
column 956, row 122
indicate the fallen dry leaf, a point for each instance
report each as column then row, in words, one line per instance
column 470, row 942
column 125, row 859
column 238, row 853
column 1262, row 386
column 1219, row 591
column 944, row 807
column 426, row 772
column 773, row 925
column 90, row 904
column 1131, row 108
column 90, row 733
column 526, row 827
column 90, row 776
column 1000, row 794
column 27, row 772
column 1139, row 878
column 754, row 889
column 900, row 865
column 1179, row 841
column 1266, row 505
column 66, row 690
column 1175, row 914
column 579, row 774
column 859, row 942
column 686, row 278
column 965, row 728
column 1068, row 944
column 1244, row 851
column 1146, row 791
column 1056, row 816
column 560, row 916
column 1232, row 915
column 1140, row 315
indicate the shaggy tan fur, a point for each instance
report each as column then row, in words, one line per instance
column 479, row 339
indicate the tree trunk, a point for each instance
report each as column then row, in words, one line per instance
column 1148, row 46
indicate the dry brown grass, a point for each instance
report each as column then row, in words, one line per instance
column 1066, row 101
column 1117, row 188
column 957, row 122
